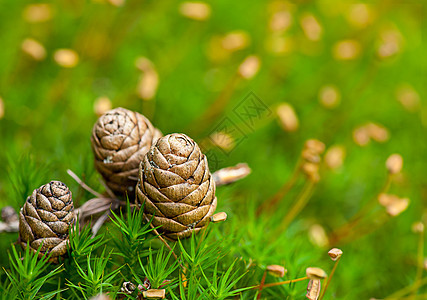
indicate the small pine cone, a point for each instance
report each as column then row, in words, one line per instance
column 45, row 218
column 176, row 186
column 120, row 139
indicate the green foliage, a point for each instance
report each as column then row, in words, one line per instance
column 189, row 289
column 158, row 269
column 82, row 243
column 221, row 286
column 95, row 279
column 199, row 254
column 133, row 234
column 27, row 275
column 24, row 176
column 47, row 112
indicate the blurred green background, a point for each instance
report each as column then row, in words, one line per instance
column 352, row 74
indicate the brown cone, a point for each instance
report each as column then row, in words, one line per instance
column 120, row 139
column 176, row 186
column 45, row 219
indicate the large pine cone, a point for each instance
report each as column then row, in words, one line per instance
column 120, row 139
column 45, row 218
column 176, row 187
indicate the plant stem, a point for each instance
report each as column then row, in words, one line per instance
column 299, row 205
column 261, row 285
column 281, row 193
column 420, row 262
column 329, row 278
column 202, row 234
column 164, row 242
column 280, row 283
column 406, row 290
column 99, row 222
column 107, row 189
column 343, row 231
column 216, row 108
column 381, row 218
column 416, row 297
column 84, row 185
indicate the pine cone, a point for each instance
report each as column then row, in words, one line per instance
column 176, row 186
column 45, row 218
column 120, row 139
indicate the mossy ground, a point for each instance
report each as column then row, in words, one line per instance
column 49, row 113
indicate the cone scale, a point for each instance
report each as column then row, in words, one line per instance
column 45, row 219
column 176, row 187
column 120, row 139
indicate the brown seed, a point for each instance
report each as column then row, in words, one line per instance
column 37, row 13
column 199, row 11
column 117, row 3
column 418, row 227
column 310, row 156
column 231, row 174
column 222, row 140
column 315, row 273
column 249, row 67
column 101, row 297
column 276, row 270
column 335, row 254
column 346, row 50
column 66, row 58
column 154, row 294
column 360, row 15
column 394, row 163
column 149, row 79
column 311, row 27
column 310, row 168
column 219, row 217
column 312, row 171
column 329, row 96
column 280, row 21
column 408, row 97
column 377, row 132
column 334, row 157
column 34, row 49
column 288, row 118
column 361, row 136
column 315, row 145
column 313, row 289
column 318, row 236
column 390, row 43
column 393, row 204
column 236, row 40
column 102, row 105
column 147, row 85
column 1, row 108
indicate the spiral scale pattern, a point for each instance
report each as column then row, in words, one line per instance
column 176, row 187
column 45, row 219
column 120, row 139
